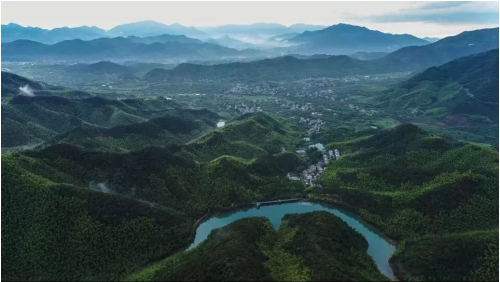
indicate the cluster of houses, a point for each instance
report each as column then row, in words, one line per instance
column 315, row 125
column 309, row 175
column 244, row 109
column 257, row 88
column 296, row 106
column 363, row 111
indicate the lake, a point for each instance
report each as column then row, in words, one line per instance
column 378, row 248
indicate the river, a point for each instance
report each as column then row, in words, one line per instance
column 378, row 248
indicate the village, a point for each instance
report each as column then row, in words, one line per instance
column 310, row 175
column 304, row 88
column 243, row 108
column 315, row 125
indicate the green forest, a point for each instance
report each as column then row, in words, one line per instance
column 109, row 175
column 86, row 201
column 303, row 249
column 431, row 194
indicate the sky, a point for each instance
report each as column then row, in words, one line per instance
column 433, row 19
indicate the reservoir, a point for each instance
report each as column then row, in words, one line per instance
column 378, row 248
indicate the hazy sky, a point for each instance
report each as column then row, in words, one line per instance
column 417, row 18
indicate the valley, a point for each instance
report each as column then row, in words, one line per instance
column 155, row 152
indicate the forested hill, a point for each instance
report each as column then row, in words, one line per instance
column 177, row 126
column 432, row 194
column 103, row 67
column 304, row 248
column 117, row 48
column 99, row 216
column 437, row 197
column 444, row 50
column 289, row 67
column 13, row 85
column 466, row 87
column 346, row 38
column 282, row 68
column 249, row 136
column 32, row 120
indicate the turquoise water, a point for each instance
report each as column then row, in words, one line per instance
column 378, row 248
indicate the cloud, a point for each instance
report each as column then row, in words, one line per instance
column 443, row 13
column 103, row 188
column 26, row 91
column 443, row 5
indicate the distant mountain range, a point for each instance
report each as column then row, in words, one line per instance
column 299, row 66
column 231, row 42
column 163, row 38
column 258, row 29
column 444, row 50
column 431, row 39
column 118, row 49
column 285, row 36
column 346, row 39
column 152, row 41
column 12, row 32
column 281, row 68
column 152, row 28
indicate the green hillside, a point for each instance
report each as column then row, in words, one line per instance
column 12, row 84
column 31, row 120
column 249, row 136
column 466, row 87
column 280, row 68
column 176, row 127
column 141, row 154
column 421, row 189
column 444, row 50
column 433, row 195
column 302, row 249
column 126, row 199
column 103, row 67
column 115, row 49
column 459, row 99
column 59, row 231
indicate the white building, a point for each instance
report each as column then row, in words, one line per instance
column 301, row 152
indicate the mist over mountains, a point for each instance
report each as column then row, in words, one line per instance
column 151, row 41
column 133, row 153
column 344, row 38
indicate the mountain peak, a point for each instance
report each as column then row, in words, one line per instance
column 344, row 25
column 12, row 25
column 446, row 49
column 345, row 38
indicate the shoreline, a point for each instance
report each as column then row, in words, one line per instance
column 351, row 210
column 340, row 206
column 210, row 214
